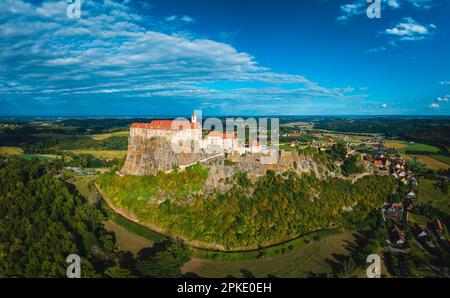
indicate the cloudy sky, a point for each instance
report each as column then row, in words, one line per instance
column 227, row 57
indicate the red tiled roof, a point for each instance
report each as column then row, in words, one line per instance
column 140, row 125
column 167, row 125
column 214, row 133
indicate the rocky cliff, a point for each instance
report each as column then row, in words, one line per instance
column 220, row 171
column 150, row 156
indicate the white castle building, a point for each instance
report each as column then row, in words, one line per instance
column 184, row 130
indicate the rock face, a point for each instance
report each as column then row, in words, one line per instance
column 251, row 164
column 150, row 156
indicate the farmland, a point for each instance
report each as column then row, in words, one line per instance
column 430, row 194
column 39, row 156
column 314, row 257
column 430, row 161
column 108, row 154
column 404, row 147
column 427, row 154
column 104, row 136
column 419, row 147
column 11, row 150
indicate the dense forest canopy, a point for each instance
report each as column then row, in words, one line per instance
column 43, row 219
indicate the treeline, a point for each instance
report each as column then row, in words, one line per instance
column 49, row 145
column 43, row 219
column 87, row 161
column 277, row 207
column 429, row 131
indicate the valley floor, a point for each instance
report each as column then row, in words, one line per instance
column 307, row 261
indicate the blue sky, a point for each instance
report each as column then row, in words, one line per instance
column 226, row 57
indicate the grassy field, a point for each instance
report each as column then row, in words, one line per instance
column 395, row 144
column 133, row 228
column 108, row 154
column 314, row 257
column 103, row 136
column 419, row 147
column 85, row 186
column 126, row 240
column 430, row 162
column 39, row 156
column 442, row 158
column 417, row 218
column 347, row 137
column 429, row 193
column 287, row 147
column 11, row 150
column 403, row 146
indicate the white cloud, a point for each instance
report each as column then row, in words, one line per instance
column 384, row 105
column 420, row 4
column 435, row 106
column 393, row 4
column 409, row 29
column 376, row 50
column 183, row 18
column 351, row 9
column 359, row 7
column 47, row 53
column 171, row 18
column 443, row 99
column 187, row 19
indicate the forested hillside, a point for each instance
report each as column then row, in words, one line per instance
column 43, row 220
column 277, row 207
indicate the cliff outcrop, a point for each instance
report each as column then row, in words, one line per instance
column 150, row 156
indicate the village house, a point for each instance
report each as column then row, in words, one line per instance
column 382, row 163
column 393, row 211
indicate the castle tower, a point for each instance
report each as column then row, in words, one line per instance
column 193, row 118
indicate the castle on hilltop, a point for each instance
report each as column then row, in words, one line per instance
column 184, row 130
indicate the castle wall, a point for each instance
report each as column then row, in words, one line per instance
column 186, row 134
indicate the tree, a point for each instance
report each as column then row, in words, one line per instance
column 338, row 151
column 164, row 261
column 350, row 166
